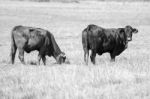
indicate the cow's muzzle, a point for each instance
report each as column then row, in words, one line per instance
column 129, row 39
column 62, row 59
column 67, row 61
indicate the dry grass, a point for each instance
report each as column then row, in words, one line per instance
column 127, row 78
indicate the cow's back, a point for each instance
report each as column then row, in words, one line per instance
column 29, row 38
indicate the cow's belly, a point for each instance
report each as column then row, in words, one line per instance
column 104, row 49
column 119, row 51
column 111, row 48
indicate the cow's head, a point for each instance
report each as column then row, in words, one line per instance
column 129, row 31
column 62, row 58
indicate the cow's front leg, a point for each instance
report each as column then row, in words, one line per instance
column 42, row 56
column 44, row 60
column 112, row 55
column 21, row 55
column 93, row 55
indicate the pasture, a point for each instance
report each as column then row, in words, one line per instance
column 127, row 78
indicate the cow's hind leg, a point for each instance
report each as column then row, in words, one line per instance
column 42, row 56
column 21, row 55
column 12, row 54
column 93, row 55
column 112, row 55
column 39, row 59
column 86, row 55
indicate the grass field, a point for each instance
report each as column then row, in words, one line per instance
column 127, row 78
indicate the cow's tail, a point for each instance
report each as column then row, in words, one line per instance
column 13, row 47
column 85, row 44
column 85, row 38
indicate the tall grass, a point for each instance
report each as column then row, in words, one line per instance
column 127, row 78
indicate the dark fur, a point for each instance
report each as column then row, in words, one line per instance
column 100, row 40
column 29, row 39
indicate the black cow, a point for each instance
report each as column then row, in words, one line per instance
column 100, row 40
column 29, row 39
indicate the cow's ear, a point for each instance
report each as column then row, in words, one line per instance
column 135, row 30
column 121, row 30
column 64, row 55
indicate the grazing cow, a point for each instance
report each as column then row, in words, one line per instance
column 100, row 40
column 29, row 39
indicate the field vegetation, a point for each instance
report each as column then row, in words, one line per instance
column 127, row 78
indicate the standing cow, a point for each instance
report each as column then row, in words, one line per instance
column 100, row 40
column 29, row 39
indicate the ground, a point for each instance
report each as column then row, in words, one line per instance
column 127, row 78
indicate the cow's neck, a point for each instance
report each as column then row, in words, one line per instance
column 56, row 54
column 56, row 49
